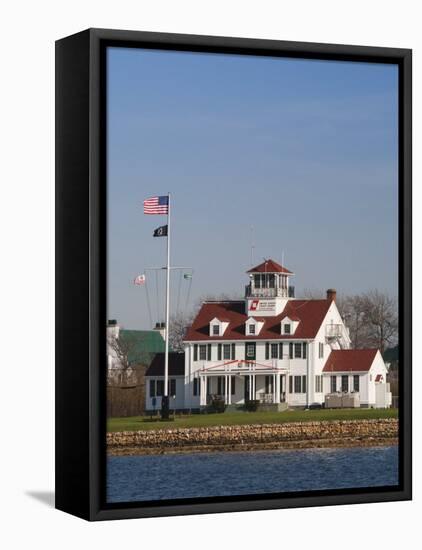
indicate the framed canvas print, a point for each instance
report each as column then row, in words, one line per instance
column 233, row 274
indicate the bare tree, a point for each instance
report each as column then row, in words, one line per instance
column 128, row 352
column 371, row 318
column 381, row 318
column 178, row 327
column 313, row 294
column 352, row 313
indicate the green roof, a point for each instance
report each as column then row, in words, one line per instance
column 142, row 345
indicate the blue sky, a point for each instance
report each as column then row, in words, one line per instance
column 303, row 151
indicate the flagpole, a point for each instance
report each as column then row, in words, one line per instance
column 166, row 354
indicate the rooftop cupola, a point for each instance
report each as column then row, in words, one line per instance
column 268, row 290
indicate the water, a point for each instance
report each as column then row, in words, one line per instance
column 140, row 478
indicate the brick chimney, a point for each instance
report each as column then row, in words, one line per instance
column 161, row 328
column 331, row 294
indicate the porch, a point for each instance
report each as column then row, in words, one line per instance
column 236, row 382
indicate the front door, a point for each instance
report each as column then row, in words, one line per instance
column 246, row 388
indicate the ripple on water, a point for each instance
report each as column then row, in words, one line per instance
column 157, row 477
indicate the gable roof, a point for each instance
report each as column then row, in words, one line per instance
column 142, row 344
column 176, row 364
column 290, row 316
column 310, row 313
column 269, row 266
column 350, row 360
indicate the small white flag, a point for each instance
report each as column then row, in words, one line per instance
column 139, row 280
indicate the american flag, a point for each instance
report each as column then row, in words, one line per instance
column 156, row 205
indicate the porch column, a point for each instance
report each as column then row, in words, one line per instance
column 254, row 387
column 277, row 388
column 250, row 387
column 286, row 388
column 203, row 392
column 274, row 389
column 229, row 390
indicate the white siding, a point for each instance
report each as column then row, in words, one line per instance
column 175, row 403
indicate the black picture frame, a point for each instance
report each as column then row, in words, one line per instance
column 81, row 271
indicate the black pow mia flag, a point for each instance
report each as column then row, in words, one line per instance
column 160, row 231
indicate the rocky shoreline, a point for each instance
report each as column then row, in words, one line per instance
column 255, row 437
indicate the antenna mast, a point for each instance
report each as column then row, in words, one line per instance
column 252, row 245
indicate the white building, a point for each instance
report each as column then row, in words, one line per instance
column 276, row 349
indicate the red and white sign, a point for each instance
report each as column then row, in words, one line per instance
column 262, row 306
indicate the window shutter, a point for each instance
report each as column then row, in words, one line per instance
column 267, row 350
column 195, row 352
column 233, row 352
column 280, row 350
column 219, row 352
column 246, row 349
column 233, row 385
column 209, row 352
column 305, row 346
column 303, row 384
column 290, row 384
column 291, row 350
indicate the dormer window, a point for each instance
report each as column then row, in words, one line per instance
column 289, row 325
column 253, row 326
column 218, row 326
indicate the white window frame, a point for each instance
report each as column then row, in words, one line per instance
column 319, row 383
column 225, row 347
column 202, row 347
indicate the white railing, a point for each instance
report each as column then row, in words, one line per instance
column 333, row 331
column 277, row 292
column 265, row 397
column 267, row 292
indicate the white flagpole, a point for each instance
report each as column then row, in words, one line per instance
column 166, row 354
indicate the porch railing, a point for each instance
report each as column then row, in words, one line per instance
column 253, row 292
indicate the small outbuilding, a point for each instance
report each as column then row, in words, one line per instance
column 361, row 371
column 154, row 377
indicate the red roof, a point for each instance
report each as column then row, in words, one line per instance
column 350, row 360
column 310, row 313
column 290, row 316
column 269, row 266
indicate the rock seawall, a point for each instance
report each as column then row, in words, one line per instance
column 255, row 436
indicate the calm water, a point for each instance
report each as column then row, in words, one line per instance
column 158, row 477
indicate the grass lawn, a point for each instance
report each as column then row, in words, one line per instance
column 135, row 423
